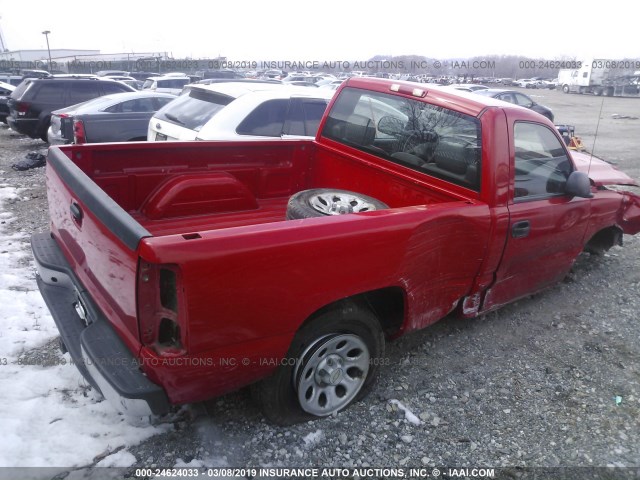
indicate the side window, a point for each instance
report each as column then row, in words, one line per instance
column 158, row 103
column 304, row 116
column 51, row 92
column 135, row 105
column 506, row 97
column 266, row 120
column 541, row 164
column 83, row 91
column 522, row 100
column 117, row 108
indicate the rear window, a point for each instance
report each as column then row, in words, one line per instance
column 434, row 140
column 194, row 109
column 21, row 89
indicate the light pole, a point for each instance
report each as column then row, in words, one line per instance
column 46, row 35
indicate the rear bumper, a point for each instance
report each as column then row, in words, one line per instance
column 95, row 348
column 25, row 126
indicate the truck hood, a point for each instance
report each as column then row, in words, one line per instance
column 600, row 172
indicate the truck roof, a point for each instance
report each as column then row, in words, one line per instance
column 466, row 102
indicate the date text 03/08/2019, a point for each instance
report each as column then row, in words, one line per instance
column 314, row 472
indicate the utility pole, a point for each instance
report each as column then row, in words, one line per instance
column 3, row 45
column 46, row 35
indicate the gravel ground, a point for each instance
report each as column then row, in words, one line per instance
column 550, row 381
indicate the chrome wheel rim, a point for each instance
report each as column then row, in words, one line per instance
column 339, row 203
column 330, row 373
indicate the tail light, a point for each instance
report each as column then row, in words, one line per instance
column 22, row 108
column 161, row 308
column 79, row 135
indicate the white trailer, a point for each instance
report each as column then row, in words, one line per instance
column 602, row 77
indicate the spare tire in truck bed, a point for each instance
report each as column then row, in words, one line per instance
column 319, row 202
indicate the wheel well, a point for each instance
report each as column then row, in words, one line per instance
column 604, row 240
column 388, row 304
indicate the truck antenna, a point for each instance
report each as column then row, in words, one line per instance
column 595, row 138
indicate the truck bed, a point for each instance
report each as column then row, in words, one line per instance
column 239, row 186
column 269, row 210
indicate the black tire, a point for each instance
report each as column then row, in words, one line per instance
column 43, row 127
column 279, row 396
column 321, row 202
column 565, row 88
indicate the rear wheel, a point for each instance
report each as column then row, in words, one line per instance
column 43, row 127
column 332, row 362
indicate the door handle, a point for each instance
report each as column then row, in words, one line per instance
column 521, row 229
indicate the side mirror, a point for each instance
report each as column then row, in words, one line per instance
column 390, row 125
column 578, row 185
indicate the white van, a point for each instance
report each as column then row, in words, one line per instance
column 166, row 84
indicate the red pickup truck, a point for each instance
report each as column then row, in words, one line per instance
column 177, row 272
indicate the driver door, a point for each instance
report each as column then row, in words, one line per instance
column 547, row 226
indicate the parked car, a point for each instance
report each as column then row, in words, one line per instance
column 142, row 76
column 517, row 98
column 525, row 83
column 11, row 79
column 468, row 87
column 333, row 85
column 234, row 110
column 5, row 90
column 298, row 78
column 166, row 84
column 224, row 73
column 106, row 73
column 132, row 82
column 32, row 102
column 74, row 75
column 121, row 117
column 209, row 81
column 31, row 73
column 549, row 84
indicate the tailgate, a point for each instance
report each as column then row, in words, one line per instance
column 98, row 239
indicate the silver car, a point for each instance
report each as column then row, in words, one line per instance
column 121, row 117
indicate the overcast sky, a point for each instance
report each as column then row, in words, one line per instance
column 325, row 29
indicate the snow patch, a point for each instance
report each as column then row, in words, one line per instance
column 120, row 459
column 49, row 415
column 408, row 414
column 312, row 439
